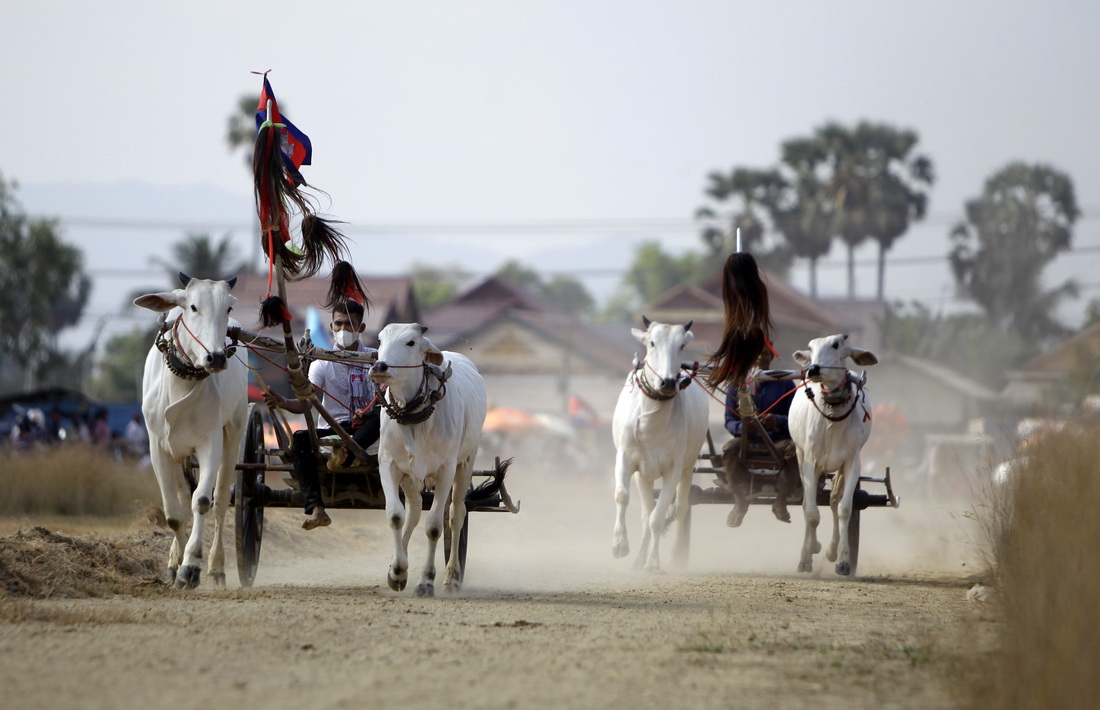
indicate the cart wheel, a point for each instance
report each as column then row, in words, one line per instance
column 463, row 538
column 853, row 534
column 248, row 514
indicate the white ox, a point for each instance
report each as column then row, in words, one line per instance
column 659, row 427
column 828, row 431
column 432, row 413
column 195, row 402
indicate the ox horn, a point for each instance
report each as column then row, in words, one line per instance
column 184, row 279
column 232, row 282
column 687, row 326
column 645, row 322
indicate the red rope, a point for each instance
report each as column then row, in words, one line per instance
column 179, row 346
column 250, row 347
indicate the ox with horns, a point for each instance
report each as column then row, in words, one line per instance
column 659, row 427
column 829, row 426
column 432, row 414
column 194, row 399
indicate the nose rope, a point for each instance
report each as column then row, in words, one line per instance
column 179, row 346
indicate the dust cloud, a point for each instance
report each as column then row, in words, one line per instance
column 561, row 539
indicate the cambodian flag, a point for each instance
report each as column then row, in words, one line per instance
column 296, row 148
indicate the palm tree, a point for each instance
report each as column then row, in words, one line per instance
column 875, row 184
column 894, row 198
column 804, row 213
column 197, row 255
column 1022, row 221
column 240, row 132
column 753, row 194
column 846, row 186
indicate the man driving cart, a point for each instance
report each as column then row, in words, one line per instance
column 773, row 402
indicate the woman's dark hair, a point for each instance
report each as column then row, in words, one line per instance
column 748, row 326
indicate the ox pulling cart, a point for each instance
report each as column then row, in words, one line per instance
column 349, row 475
column 764, row 462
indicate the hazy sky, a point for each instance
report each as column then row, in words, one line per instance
column 520, row 113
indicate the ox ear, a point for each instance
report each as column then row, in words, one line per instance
column 863, row 357
column 803, row 357
column 232, row 282
column 432, row 354
column 163, row 301
column 184, row 279
column 639, row 335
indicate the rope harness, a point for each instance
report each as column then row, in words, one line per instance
column 849, row 389
column 420, row 408
column 175, row 356
column 643, row 384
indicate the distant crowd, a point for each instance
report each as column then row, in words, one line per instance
column 34, row 429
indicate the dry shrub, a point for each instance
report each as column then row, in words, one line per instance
column 41, row 564
column 72, row 480
column 1044, row 532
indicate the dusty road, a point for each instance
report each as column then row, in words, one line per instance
column 547, row 619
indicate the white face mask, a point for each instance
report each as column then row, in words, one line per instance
column 346, row 338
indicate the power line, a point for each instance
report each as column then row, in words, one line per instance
column 485, row 228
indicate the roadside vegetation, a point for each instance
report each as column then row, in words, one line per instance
column 72, row 481
column 1046, row 580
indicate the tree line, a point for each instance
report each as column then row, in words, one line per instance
column 840, row 184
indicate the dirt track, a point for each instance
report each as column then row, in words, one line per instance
column 547, row 619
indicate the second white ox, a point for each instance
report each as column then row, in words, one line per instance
column 829, row 428
column 194, row 399
column 432, row 413
column 659, row 427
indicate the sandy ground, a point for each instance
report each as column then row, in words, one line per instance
column 547, row 619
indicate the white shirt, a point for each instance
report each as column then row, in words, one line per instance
column 343, row 384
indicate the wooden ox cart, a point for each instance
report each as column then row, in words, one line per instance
column 344, row 486
column 763, row 461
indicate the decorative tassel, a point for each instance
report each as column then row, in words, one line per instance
column 274, row 312
column 320, row 241
column 346, row 286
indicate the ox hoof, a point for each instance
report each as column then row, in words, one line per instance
column 805, row 566
column 396, row 584
column 620, row 549
column 170, row 575
column 781, row 514
column 452, row 589
column 218, row 578
column 843, row 568
column 424, row 589
column 188, row 577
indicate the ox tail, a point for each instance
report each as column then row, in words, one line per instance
column 491, row 487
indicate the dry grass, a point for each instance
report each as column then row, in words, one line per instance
column 1043, row 532
column 72, row 480
column 37, row 563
